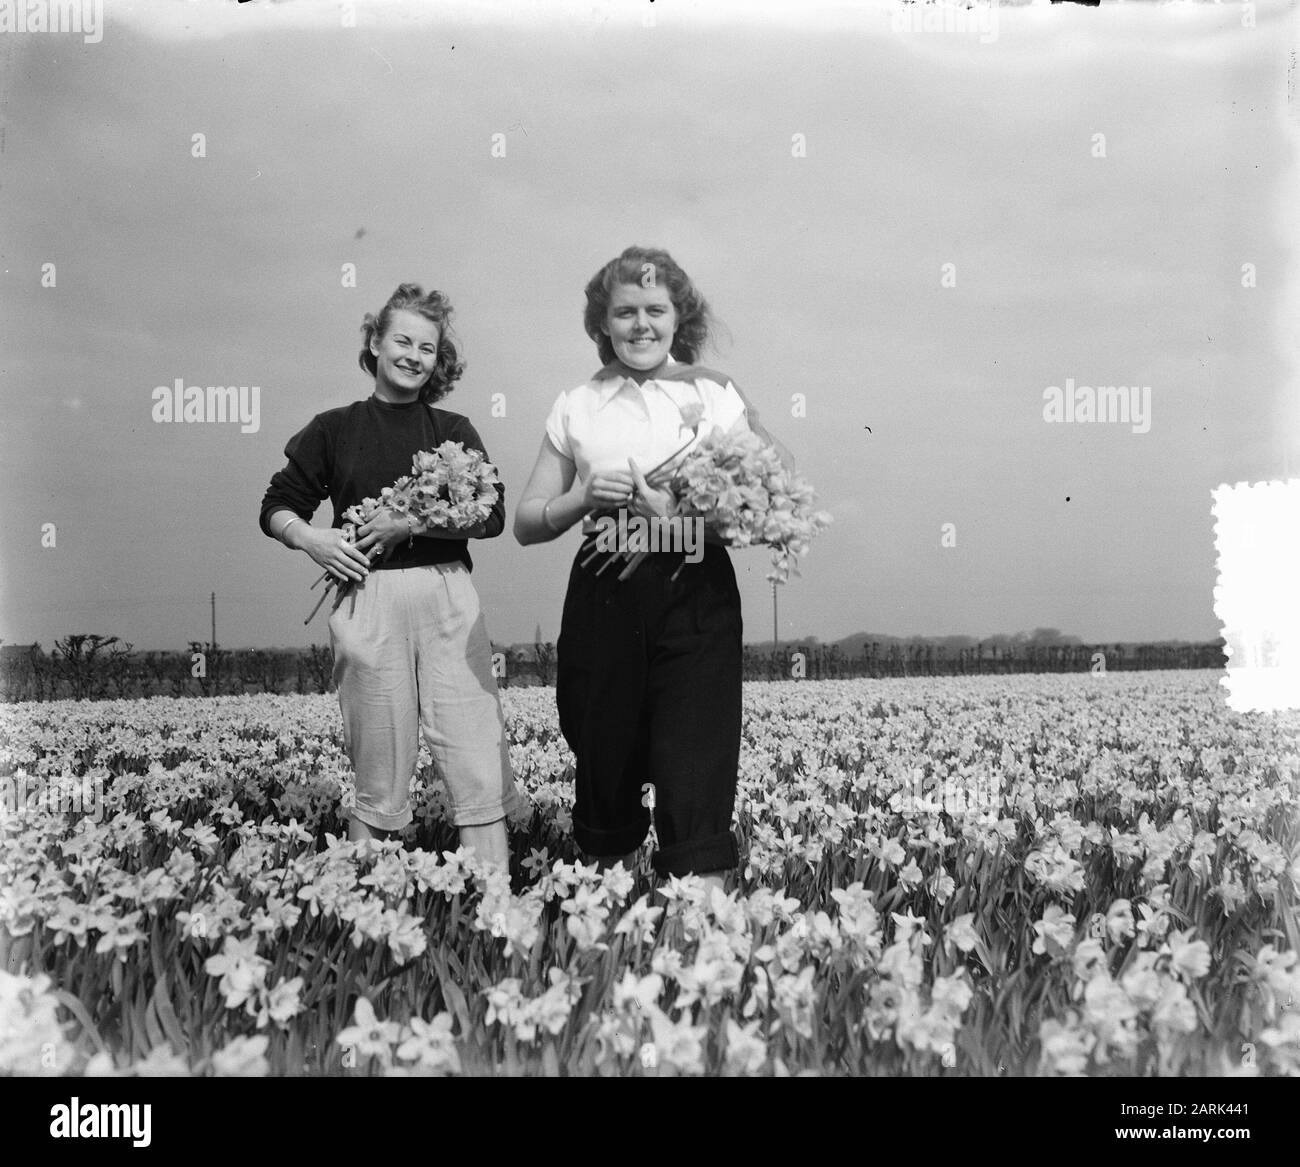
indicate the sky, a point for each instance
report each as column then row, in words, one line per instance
column 813, row 176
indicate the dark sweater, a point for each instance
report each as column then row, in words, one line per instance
column 353, row 452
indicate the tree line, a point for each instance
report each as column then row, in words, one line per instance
column 920, row 658
column 87, row 666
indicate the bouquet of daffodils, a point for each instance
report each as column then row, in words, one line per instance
column 746, row 496
column 450, row 488
column 737, row 487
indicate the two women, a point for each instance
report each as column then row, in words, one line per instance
column 411, row 649
column 649, row 669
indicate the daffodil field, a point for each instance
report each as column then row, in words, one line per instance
column 1021, row 875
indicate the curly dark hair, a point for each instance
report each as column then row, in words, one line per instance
column 434, row 307
column 694, row 320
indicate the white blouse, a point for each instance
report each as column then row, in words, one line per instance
column 602, row 423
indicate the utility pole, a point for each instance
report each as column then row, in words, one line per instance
column 216, row 664
column 774, row 616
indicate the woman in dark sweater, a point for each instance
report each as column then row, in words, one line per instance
column 411, row 649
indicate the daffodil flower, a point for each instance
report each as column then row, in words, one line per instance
column 449, row 488
column 369, row 1036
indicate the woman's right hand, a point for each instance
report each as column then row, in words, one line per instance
column 607, row 490
column 328, row 547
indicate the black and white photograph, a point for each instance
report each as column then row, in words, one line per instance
column 651, row 539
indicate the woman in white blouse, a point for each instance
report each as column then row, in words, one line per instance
column 648, row 669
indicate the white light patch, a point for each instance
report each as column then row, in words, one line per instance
column 1257, row 598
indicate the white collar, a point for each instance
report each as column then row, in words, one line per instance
column 607, row 390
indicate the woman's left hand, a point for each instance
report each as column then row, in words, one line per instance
column 383, row 532
column 646, row 500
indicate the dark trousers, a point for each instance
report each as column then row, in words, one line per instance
column 648, row 689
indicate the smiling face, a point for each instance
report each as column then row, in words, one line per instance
column 404, row 356
column 640, row 324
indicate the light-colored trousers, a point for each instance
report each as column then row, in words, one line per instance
column 412, row 656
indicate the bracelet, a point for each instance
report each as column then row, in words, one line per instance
column 290, row 523
column 546, row 518
column 410, row 529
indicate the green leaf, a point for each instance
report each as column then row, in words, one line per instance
column 151, row 1025
column 167, row 1017
column 78, row 1010
column 156, row 949
column 459, row 1006
column 140, row 1032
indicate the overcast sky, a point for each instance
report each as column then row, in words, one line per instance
column 372, row 145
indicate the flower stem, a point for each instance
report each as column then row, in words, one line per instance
column 319, row 602
column 633, row 563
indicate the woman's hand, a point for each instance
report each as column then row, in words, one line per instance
column 606, row 490
column 328, row 547
column 382, row 533
column 647, row 501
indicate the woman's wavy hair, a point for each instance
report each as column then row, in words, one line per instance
column 434, row 307
column 694, row 320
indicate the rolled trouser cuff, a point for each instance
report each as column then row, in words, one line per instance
column 610, row 844
column 382, row 821
column 486, row 813
column 698, row 856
